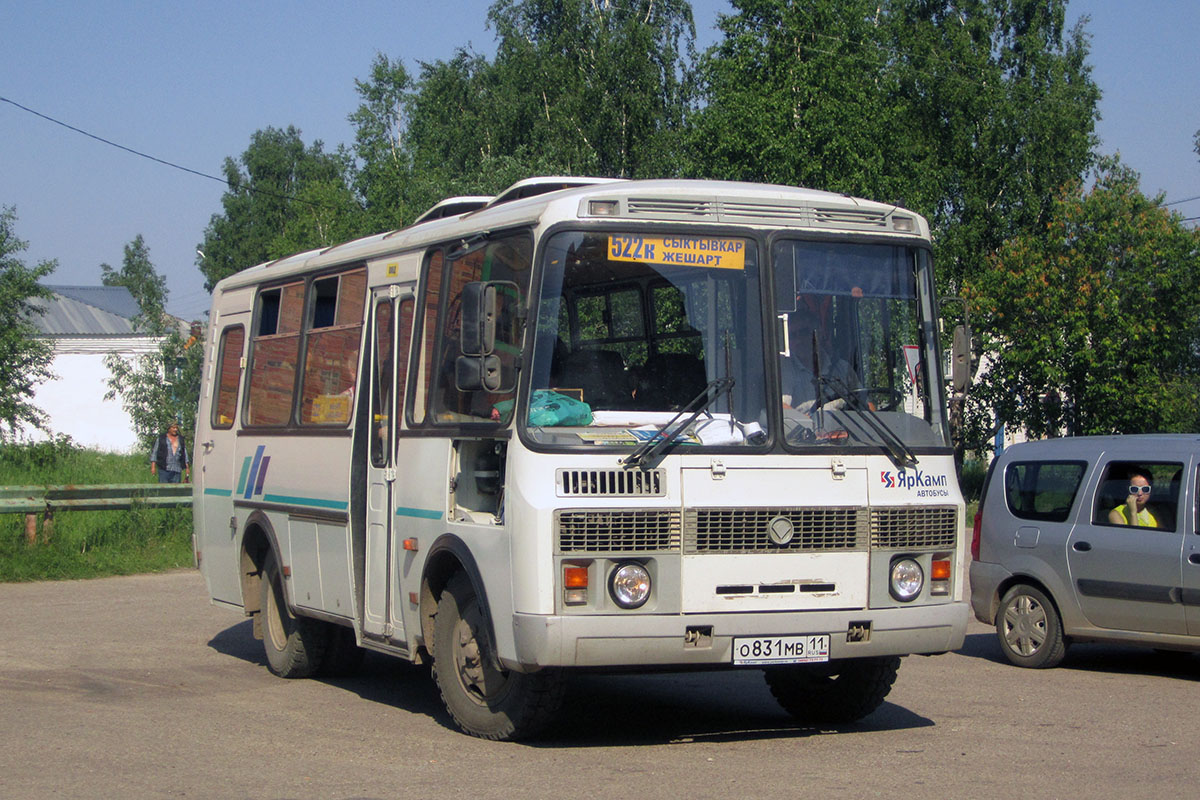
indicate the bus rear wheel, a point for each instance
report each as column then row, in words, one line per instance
column 485, row 700
column 835, row 693
column 294, row 645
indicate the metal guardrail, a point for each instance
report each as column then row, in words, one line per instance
column 46, row 500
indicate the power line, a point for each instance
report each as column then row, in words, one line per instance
column 111, row 143
column 1184, row 200
column 164, row 162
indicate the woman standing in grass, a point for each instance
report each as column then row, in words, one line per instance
column 169, row 458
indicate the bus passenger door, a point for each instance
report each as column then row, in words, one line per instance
column 391, row 313
column 213, row 454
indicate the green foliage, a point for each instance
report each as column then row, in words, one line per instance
column 576, row 88
column 87, row 544
column 24, row 359
column 972, row 113
column 789, row 100
column 159, row 388
column 149, row 289
column 971, row 478
column 289, row 198
column 385, row 171
column 162, row 387
column 1096, row 317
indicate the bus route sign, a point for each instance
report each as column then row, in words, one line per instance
column 681, row 251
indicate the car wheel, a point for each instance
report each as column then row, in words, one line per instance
column 1030, row 629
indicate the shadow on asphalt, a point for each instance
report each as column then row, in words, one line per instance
column 605, row 709
column 1095, row 657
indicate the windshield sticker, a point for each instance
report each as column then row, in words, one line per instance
column 679, row 251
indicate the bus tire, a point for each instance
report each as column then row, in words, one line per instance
column 836, row 693
column 344, row 657
column 482, row 700
column 294, row 645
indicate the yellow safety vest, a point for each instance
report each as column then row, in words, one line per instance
column 1144, row 518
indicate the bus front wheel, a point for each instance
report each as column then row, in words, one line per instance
column 484, row 700
column 836, row 693
column 294, row 645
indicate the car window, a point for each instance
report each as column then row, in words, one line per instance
column 1139, row 494
column 1042, row 490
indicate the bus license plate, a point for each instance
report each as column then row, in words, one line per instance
column 760, row 650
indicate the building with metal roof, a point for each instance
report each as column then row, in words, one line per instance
column 85, row 324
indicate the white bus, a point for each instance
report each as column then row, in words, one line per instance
column 591, row 424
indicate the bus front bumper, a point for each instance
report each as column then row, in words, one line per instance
column 707, row 639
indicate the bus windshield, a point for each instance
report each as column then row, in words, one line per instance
column 632, row 329
column 855, row 364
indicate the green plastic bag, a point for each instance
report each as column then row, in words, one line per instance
column 548, row 409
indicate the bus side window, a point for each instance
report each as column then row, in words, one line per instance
column 383, row 366
column 273, row 355
column 331, row 352
column 439, row 400
column 229, row 373
column 404, row 349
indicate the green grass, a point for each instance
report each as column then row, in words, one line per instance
column 88, row 544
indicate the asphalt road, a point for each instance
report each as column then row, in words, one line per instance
column 138, row 687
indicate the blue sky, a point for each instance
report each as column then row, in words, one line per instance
column 189, row 83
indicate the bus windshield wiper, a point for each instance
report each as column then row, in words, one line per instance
column 900, row 453
column 697, row 406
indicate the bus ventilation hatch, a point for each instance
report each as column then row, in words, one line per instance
column 610, row 483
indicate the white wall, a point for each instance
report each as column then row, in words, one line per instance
column 74, row 400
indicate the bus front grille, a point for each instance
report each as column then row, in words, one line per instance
column 616, row 530
column 774, row 530
column 912, row 527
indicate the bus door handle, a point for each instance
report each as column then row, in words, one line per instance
column 208, row 446
column 1194, row 558
column 1082, row 547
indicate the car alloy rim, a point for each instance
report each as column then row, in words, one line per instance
column 1024, row 625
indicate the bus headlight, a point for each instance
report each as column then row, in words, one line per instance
column 907, row 578
column 629, row 585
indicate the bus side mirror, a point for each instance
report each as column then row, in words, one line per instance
column 475, row 373
column 960, row 359
column 478, row 333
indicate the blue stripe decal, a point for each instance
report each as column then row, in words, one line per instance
column 419, row 513
column 258, row 454
column 245, row 472
column 311, row 502
column 262, row 475
column 219, row 492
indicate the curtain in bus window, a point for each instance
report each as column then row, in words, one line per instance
column 229, row 373
column 273, row 357
column 331, row 352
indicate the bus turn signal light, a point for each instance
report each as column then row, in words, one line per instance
column 939, row 577
column 575, row 585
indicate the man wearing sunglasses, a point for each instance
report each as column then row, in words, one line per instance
column 1140, row 487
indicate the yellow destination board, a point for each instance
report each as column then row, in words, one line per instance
column 679, row 251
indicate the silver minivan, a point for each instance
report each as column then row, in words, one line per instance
column 1091, row 538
